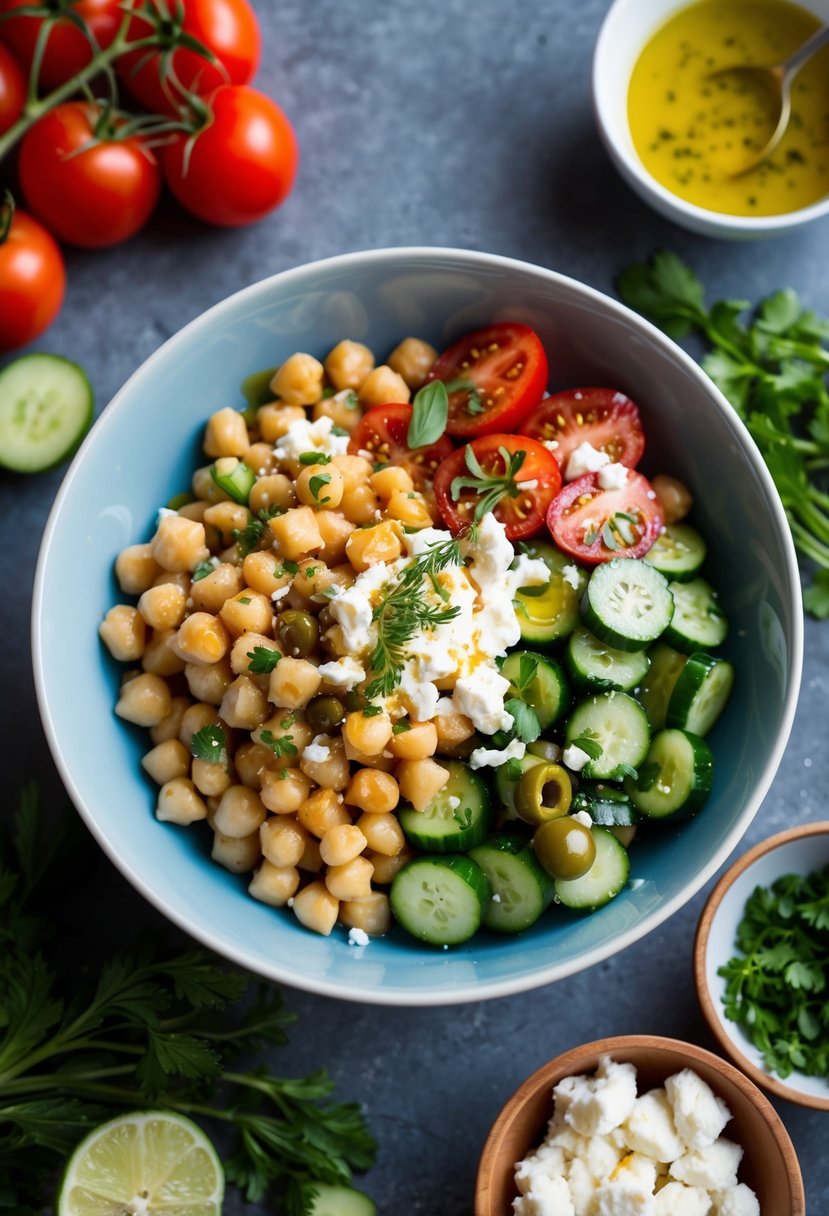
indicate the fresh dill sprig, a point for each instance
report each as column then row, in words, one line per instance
column 404, row 611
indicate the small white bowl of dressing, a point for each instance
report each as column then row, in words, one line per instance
column 678, row 137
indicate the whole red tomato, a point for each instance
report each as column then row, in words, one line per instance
column 227, row 28
column 32, row 282
column 240, row 165
column 93, row 195
column 67, row 49
column 12, row 90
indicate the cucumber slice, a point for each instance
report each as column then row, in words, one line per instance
column 607, row 805
column 340, row 1201
column 458, row 817
column 507, row 777
column 675, row 779
column 539, row 682
column 627, row 603
column 521, row 888
column 658, row 684
column 678, row 553
column 698, row 622
column 602, row 882
column 700, row 693
column 546, row 614
column 594, row 664
column 46, row 406
column 615, row 723
column 440, row 900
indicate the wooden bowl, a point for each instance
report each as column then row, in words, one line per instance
column 796, row 851
column 769, row 1164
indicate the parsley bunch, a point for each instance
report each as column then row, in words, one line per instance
column 772, row 366
column 776, row 988
column 152, row 1029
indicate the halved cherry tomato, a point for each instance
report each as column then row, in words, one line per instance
column 595, row 525
column 68, row 50
column 519, row 493
column 602, row 417
column 494, row 377
column 12, row 90
column 32, row 282
column 382, row 431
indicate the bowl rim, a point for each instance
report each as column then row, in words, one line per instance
column 701, row 940
column 703, row 218
column 252, row 960
column 570, row 1062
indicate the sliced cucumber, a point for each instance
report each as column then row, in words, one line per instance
column 521, row 888
column 602, row 882
column 698, row 622
column 675, row 779
column 440, row 900
column 627, row 603
column 547, row 613
column 618, row 725
column 458, row 817
column 700, row 693
column 340, row 1201
column 607, row 805
column 539, row 682
column 507, row 777
column 594, row 664
column 678, row 553
column 46, row 406
column 658, row 684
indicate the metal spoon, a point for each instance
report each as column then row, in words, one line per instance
column 777, row 80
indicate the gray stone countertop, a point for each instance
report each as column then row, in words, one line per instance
column 440, row 123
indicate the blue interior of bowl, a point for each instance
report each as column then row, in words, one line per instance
column 143, row 450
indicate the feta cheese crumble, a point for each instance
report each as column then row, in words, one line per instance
column 306, row 436
column 344, row 673
column 613, row 477
column 318, row 750
column 570, row 574
column 574, row 758
column 357, row 937
column 585, row 459
column 494, row 757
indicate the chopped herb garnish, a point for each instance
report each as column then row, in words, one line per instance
column 525, row 723
column 290, row 567
column 262, row 660
column 430, row 411
column 309, row 571
column 314, row 458
column 591, row 747
column 210, row 744
column 243, row 599
column 401, row 727
column 317, row 483
column 371, row 711
column 490, row 488
column 249, row 537
column 288, row 720
column 339, row 430
column 513, row 770
column 280, row 745
column 202, row 570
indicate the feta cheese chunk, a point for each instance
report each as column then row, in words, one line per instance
column 699, row 1115
column 739, row 1200
column 570, row 574
column 714, row 1167
column 318, row 750
column 574, row 758
column 613, row 477
column 622, row 1200
column 343, row 673
column 650, row 1128
column 494, row 757
column 306, row 436
column 598, row 1104
column 480, row 695
column 545, row 1160
column 582, row 1187
column 583, row 817
column 677, row 1199
column 356, row 936
column 585, row 459
column 547, row 1197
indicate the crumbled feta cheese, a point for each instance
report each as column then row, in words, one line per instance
column 618, row 1199
column 551, row 445
column 699, row 1115
column 583, row 817
column 596, row 1105
column 453, row 803
column 306, row 436
column 713, row 1167
column 546, row 1197
column 480, row 695
column 280, row 593
column 582, row 1186
column 650, row 1127
column 677, row 1199
column 570, row 574
column 585, row 459
column 545, row 1160
column 343, row 673
column 494, row 757
column 357, row 937
column 574, row 758
column 496, row 898
column 318, row 750
column 740, row 1200
column 613, row 477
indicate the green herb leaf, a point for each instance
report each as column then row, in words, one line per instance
column 512, row 770
column 525, row 723
column 309, row 458
column 210, row 744
column 490, row 488
column 202, row 570
column 262, row 660
column 317, row 483
column 590, row 747
column 430, row 410
column 401, row 727
column 280, row 745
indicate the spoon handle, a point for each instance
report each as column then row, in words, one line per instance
column 812, row 44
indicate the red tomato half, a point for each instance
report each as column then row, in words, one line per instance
column 522, row 504
column 12, row 90
column 595, row 525
column 499, row 372
column 382, row 432
column 240, row 165
column 95, row 197
column 227, row 28
column 32, row 282
column 599, row 416
column 67, row 50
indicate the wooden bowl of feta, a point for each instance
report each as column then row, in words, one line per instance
column 643, row 1124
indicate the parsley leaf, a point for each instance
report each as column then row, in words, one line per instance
column 525, row 723
column 262, row 660
column 280, row 745
column 591, row 747
column 210, row 744
column 308, row 458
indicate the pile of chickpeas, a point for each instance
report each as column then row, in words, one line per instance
column 319, row 835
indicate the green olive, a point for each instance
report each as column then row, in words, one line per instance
column 297, row 632
column 325, row 714
column 544, row 792
column 565, row 848
column 545, row 748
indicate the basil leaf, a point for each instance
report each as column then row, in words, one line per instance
column 430, row 410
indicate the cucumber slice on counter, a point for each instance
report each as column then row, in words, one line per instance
column 617, row 725
column 678, row 553
column 546, row 614
column 595, row 664
column 602, row 882
column 676, row 777
column 458, row 817
column 627, row 603
column 700, row 693
column 521, row 888
column 698, row 622
column 440, row 900
column 46, row 407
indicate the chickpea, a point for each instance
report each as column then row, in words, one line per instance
column 273, row 490
column 413, row 359
column 239, row 854
column 343, row 409
column 371, row 913
column 170, row 725
column 167, row 761
column 227, row 518
column 360, row 505
column 369, row 734
column 260, row 457
column 135, row 569
column 420, row 780
column 163, row 607
column 367, row 546
column 209, row 681
column 391, row 479
column 159, row 657
column 295, row 533
column 284, row 791
column 226, row 434
column 244, row 704
column 179, row 544
column 334, row 530
column 276, row 420
column 383, row 386
column 123, row 632
column 179, row 803
column 299, row 380
column 320, row 485
column 145, row 700
column 316, row 908
column 202, row 639
column 248, row 612
column 348, row 364
column 209, row 593
column 274, row 885
column 674, row 498
column 240, row 812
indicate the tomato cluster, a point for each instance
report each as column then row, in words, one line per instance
column 496, row 384
column 91, row 174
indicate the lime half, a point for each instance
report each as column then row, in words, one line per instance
column 140, row 1164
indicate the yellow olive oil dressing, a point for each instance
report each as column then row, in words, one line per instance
column 694, row 131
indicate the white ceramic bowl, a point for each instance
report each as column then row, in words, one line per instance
column 626, row 29
column 144, row 449
column 800, row 850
